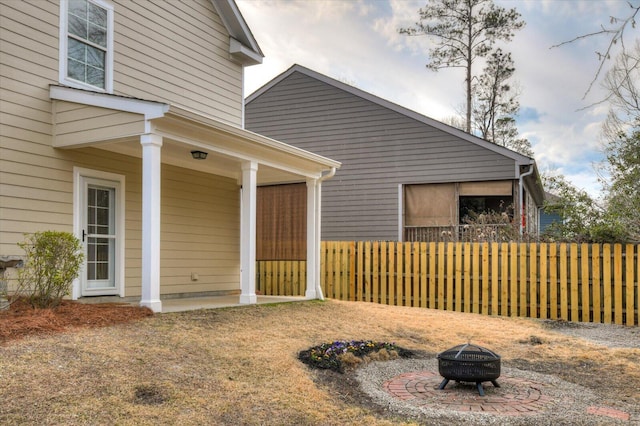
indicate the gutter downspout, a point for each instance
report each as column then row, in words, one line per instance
column 318, row 214
column 521, row 196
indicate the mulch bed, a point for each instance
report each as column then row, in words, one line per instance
column 21, row 319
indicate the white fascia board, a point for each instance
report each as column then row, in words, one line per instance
column 149, row 109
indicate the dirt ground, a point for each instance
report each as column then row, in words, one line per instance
column 117, row 364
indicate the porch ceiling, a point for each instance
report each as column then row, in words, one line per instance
column 179, row 154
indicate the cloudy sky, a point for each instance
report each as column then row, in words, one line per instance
column 357, row 42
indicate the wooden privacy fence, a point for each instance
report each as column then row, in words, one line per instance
column 574, row 282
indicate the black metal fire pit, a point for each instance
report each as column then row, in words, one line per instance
column 469, row 363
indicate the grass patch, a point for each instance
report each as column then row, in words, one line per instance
column 240, row 365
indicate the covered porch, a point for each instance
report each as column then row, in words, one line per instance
column 195, row 150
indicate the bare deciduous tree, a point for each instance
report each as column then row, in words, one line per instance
column 465, row 30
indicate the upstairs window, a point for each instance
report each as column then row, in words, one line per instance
column 86, row 44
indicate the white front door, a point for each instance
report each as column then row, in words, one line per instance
column 100, row 236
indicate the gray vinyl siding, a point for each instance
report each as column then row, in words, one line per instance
column 379, row 148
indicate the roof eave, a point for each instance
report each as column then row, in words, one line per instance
column 517, row 157
column 239, row 31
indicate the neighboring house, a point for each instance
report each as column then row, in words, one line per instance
column 108, row 108
column 404, row 176
column 547, row 216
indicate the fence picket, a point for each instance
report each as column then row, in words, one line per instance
column 564, row 291
column 606, row 283
column 432, row 275
column 458, row 294
column 376, row 272
column 475, row 281
column 449, row 260
column 495, row 283
column 406, row 278
column 399, row 275
column 423, row 275
column 467, row 275
column 585, row 283
column 504, row 279
column 383, row 273
column 544, row 285
column 553, row 280
column 596, row 287
column 573, row 283
column 617, row 283
column 522, row 280
column 415, row 276
column 513, row 280
column 441, row 274
column 392, row 271
column 533, row 282
column 629, row 311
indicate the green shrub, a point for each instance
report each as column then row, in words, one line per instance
column 53, row 261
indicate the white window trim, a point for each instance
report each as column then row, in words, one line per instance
column 78, row 174
column 108, row 78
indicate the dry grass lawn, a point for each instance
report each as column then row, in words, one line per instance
column 239, row 366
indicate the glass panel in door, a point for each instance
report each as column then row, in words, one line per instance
column 100, row 237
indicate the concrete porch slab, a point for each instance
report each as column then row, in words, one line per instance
column 181, row 304
column 213, row 302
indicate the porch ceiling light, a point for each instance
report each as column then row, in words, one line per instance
column 199, row 155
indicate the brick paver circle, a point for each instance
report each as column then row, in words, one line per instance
column 515, row 396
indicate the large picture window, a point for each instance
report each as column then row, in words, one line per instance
column 86, row 40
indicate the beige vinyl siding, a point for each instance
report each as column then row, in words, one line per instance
column 177, row 52
column 169, row 51
column 77, row 123
column 200, row 232
column 34, row 195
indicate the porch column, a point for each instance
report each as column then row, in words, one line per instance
column 151, row 156
column 248, row 233
column 313, row 242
